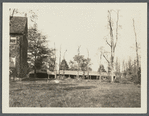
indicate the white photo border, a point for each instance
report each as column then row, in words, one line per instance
column 5, row 69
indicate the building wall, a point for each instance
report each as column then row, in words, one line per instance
column 24, row 46
column 18, row 52
column 15, row 54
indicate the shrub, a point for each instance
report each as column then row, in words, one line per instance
column 125, row 81
column 117, row 80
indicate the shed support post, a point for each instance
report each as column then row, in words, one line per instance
column 48, row 78
column 100, row 78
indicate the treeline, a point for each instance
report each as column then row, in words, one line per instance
column 39, row 55
column 128, row 70
column 42, row 57
column 132, row 71
column 78, row 63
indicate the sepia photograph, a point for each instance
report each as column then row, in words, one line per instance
column 74, row 58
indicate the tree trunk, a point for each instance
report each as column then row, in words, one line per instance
column 78, row 73
column 112, row 44
column 55, row 74
column 35, row 67
column 34, row 72
column 100, row 65
column 59, row 61
column 55, row 70
column 79, row 59
column 78, row 67
column 88, row 65
column 112, row 65
column 100, row 77
column 111, row 75
column 63, row 73
column 136, row 50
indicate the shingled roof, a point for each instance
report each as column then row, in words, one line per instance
column 17, row 25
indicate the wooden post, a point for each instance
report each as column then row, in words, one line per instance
column 55, row 74
column 100, row 78
column 48, row 78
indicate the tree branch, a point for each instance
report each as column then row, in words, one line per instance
column 108, row 43
column 106, row 58
column 13, row 12
column 111, row 30
column 116, row 29
column 79, row 50
column 136, row 44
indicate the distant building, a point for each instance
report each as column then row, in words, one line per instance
column 45, row 73
column 18, row 46
column 92, row 74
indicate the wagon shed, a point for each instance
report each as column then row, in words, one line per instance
column 42, row 73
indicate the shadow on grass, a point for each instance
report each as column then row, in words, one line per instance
column 78, row 87
column 54, row 86
column 35, row 79
column 49, row 86
column 18, row 90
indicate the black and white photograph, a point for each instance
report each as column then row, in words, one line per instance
column 74, row 58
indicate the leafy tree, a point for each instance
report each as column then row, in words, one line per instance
column 52, row 64
column 38, row 52
column 139, row 75
column 78, row 59
column 109, row 68
column 85, row 63
column 130, row 71
column 73, row 65
column 101, row 68
column 80, row 63
column 117, row 67
column 64, row 65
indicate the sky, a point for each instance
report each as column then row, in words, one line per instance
column 70, row 25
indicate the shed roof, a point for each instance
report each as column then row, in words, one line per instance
column 68, row 72
column 17, row 25
column 42, row 71
column 92, row 73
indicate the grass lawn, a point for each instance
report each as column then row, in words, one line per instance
column 73, row 93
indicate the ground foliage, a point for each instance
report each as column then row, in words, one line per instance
column 73, row 93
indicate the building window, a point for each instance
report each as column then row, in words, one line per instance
column 13, row 40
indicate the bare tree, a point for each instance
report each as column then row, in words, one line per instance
column 65, row 63
column 88, row 65
column 13, row 11
column 117, row 67
column 59, row 61
column 101, row 54
column 137, row 56
column 113, row 39
column 55, row 61
column 78, row 59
